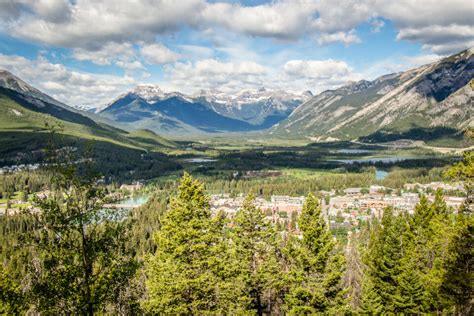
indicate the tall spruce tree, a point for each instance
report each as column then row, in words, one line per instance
column 383, row 261
column 316, row 270
column 256, row 246
column 371, row 300
column 182, row 274
column 410, row 297
column 457, row 287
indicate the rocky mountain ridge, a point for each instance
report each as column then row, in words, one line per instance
column 437, row 95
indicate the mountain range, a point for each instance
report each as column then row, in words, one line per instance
column 431, row 101
column 147, row 106
column 410, row 104
column 27, row 116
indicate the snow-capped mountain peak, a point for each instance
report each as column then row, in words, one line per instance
column 149, row 93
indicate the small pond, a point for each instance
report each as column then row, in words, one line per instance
column 378, row 159
column 200, row 160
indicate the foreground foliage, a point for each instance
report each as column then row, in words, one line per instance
column 174, row 256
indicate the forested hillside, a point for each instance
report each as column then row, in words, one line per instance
column 174, row 256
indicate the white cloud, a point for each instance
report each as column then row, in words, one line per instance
column 54, row 86
column 317, row 69
column 158, row 54
column 295, row 75
column 282, row 19
column 440, row 39
column 210, row 74
column 92, row 22
column 317, row 75
column 346, row 38
column 66, row 85
column 416, row 61
column 376, row 25
column 121, row 54
column 106, row 54
column 196, row 52
column 441, row 26
column 85, row 23
column 51, row 10
column 129, row 65
column 88, row 23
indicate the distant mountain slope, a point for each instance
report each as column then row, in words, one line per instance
column 437, row 95
column 25, row 108
column 150, row 137
column 207, row 111
column 12, row 82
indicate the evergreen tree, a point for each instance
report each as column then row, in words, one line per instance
column 182, row 274
column 383, row 261
column 257, row 251
column 410, row 297
column 423, row 214
column 371, row 300
column 12, row 300
column 77, row 264
column 316, row 269
column 457, row 286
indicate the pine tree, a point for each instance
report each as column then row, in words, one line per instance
column 317, row 239
column 77, row 265
column 457, row 287
column 316, row 270
column 181, row 274
column 383, row 261
column 439, row 205
column 255, row 241
column 423, row 214
column 410, row 297
column 371, row 301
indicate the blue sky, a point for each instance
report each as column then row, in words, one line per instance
column 87, row 52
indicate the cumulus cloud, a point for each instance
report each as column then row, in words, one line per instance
column 440, row 39
column 346, row 38
column 158, row 54
column 106, row 54
column 415, row 61
column 92, row 22
column 211, row 73
column 66, row 85
column 282, row 19
column 197, row 51
column 441, row 26
column 317, row 75
column 398, row 64
column 295, row 75
column 51, row 10
column 85, row 23
column 317, row 69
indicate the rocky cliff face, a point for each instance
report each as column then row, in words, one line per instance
column 434, row 95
